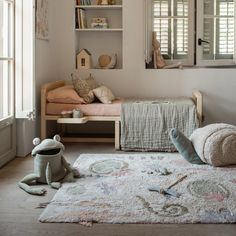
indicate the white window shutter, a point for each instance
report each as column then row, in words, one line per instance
column 24, row 59
column 216, row 25
column 148, row 30
column 235, row 32
column 173, row 22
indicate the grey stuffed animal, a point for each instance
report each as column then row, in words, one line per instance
column 49, row 166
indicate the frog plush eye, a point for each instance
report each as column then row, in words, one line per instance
column 36, row 141
column 57, row 138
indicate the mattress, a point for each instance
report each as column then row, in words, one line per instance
column 93, row 109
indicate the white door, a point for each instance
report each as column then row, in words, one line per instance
column 7, row 117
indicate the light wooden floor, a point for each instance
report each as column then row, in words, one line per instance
column 18, row 213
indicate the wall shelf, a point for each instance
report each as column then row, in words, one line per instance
column 98, row 7
column 100, row 41
column 98, row 30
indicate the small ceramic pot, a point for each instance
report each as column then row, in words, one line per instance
column 77, row 113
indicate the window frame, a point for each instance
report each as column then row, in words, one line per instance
column 196, row 28
column 9, row 61
column 200, row 34
column 25, row 59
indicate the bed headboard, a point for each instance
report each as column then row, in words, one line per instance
column 44, row 90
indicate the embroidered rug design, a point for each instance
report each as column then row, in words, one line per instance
column 114, row 188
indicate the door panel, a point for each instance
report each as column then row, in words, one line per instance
column 8, row 142
column 7, row 120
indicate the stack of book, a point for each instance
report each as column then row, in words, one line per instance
column 81, row 18
column 83, row 2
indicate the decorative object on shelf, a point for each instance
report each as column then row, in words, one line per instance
column 66, row 114
column 77, row 113
column 104, row 2
column 50, row 166
column 42, row 30
column 99, row 22
column 81, row 18
column 107, row 62
column 83, row 2
column 84, row 59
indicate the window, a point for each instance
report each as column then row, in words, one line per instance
column 200, row 31
column 6, row 58
column 172, row 22
column 215, row 25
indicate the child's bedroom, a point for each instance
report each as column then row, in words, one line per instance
column 117, row 117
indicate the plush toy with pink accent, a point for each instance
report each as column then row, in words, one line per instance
column 159, row 61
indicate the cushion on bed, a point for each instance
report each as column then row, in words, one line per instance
column 104, row 94
column 84, row 87
column 65, row 94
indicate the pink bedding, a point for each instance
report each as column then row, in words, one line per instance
column 93, row 109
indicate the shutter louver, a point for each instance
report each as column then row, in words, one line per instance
column 161, row 25
column 218, row 30
column 226, row 27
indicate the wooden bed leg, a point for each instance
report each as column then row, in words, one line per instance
column 62, row 129
column 117, row 135
column 43, row 128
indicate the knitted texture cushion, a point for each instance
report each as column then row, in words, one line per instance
column 84, row 87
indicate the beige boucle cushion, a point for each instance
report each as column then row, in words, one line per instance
column 65, row 94
column 84, row 87
column 104, row 94
column 215, row 144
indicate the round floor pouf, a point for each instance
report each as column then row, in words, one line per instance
column 216, row 144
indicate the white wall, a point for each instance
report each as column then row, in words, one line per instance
column 217, row 85
column 55, row 60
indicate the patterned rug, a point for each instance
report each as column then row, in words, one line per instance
column 115, row 189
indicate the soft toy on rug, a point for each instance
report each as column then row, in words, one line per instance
column 49, row 166
column 213, row 144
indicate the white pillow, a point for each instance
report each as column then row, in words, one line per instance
column 104, row 94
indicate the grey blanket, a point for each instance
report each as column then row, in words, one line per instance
column 145, row 124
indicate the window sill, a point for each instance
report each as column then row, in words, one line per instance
column 197, row 67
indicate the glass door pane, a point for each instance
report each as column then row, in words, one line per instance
column 6, row 91
column 6, row 58
column 6, row 28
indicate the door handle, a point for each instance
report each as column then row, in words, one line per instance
column 200, row 41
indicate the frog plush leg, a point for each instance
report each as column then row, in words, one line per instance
column 72, row 172
column 55, row 185
column 185, row 147
column 23, row 184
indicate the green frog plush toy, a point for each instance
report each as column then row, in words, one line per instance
column 49, row 166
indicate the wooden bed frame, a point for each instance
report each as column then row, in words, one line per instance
column 196, row 95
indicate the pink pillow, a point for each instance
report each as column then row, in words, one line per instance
column 65, row 94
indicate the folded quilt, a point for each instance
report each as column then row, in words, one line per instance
column 145, row 124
